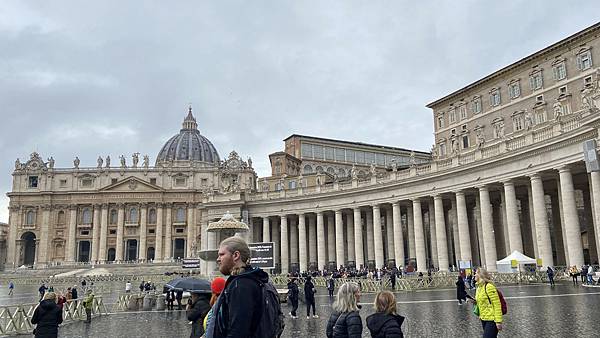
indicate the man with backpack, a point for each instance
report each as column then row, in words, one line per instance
column 249, row 305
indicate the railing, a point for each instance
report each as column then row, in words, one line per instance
column 490, row 151
column 16, row 319
column 516, row 143
column 543, row 134
column 71, row 280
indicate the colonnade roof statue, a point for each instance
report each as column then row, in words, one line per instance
column 188, row 145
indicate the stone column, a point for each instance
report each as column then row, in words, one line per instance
column 103, row 233
column 489, row 239
column 330, row 240
column 71, row 235
column 191, row 227
column 302, row 243
column 339, row 239
column 377, row 237
column 398, row 235
column 312, row 241
column 42, row 254
column 440, row 233
column 419, row 236
column 595, row 194
column 370, row 238
column 168, row 231
column 158, row 249
column 530, row 208
column 120, row 229
column 293, row 242
column 285, row 258
column 321, row 258
column 463, row 227
column 96, row 233
column 512, row 218
column 389, row 233
column 13, row 221
column 433, row 235
column 212, row 245
column 412, row 253
column 455, row 236
column 143, row 231
column 569, row 209
column 266, row 231
column 358, row 239
column 350, row 238
column 275, row 236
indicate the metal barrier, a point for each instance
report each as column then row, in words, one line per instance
column 16, row 319
column 72, row 280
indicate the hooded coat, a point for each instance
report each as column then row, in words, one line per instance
column 383, row 325
column 344, row 325
column 47, row 316
column 196, row 315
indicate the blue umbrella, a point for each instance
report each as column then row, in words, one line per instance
column 189, row 284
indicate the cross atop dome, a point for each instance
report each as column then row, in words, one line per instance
column 189, row 122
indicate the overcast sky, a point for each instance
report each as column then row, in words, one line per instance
column 115, row 77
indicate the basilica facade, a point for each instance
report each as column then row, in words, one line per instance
column 506, row 173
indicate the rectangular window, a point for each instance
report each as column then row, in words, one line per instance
column 560, row 71
column 540, row 116
column 85, row 232
column 518, row 122
column 369, row 158
column 453, row 131
column 536, row 80
column 33, row 182
column 465, row 141
column 204, row 181
column 495, row 97
column 86, row 182
column 180, row 181
column 442, row 148
column 360, row 157
column 476, row 105
column 514, row 90
column 151, row 231
column 153, row 181
column 441, row 121
column 112, row 231
column 462, row 112
column 464, row 127
column 292, row 184
column 340, row 155
column 451, row 116
column 63, row 183
column 562, row 90
column 380, row 159
column 539, row 98
column 179, row 230
column 584, row 60
column 349, row 155
column 113, row 180
column 307, row 150
column 318, row 152
column 328, row 153
column 587, row 81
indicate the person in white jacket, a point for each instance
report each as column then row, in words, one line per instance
column 590, row 275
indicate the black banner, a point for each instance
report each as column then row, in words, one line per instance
column 262, row 255
column 190, row 263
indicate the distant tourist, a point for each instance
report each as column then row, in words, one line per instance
column 179, row 297
column 128, row 287
column 293, row 293
column 461, row 292
column 590, row 275
column 88, row 303
column 309, row 297
column 331, row 286
column 550, row 273
column 345, row 320
column 196, row 310
column 47, row 316
column 488, row 304
column 385, row 322
column 574, row 273
column 74, row 294
column 142, row 287
column 42, row 291
column 11, row 288
column 170, row 299
column 60, row 300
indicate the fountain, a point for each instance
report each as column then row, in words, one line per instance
column 228, row 226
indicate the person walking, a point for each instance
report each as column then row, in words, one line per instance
column 216, row 286
column 461, row 292
column 550, row 273
column 590, row 275
column 47, row 316
column 42, row 290
column 488, row 304
column 88, row 303
column 60, row 300
column 345, row 321
column 178, row 298
column 170, row 297
column 584, row 271
column 393, row 278
column 309, row 297
column 248, row 296
column 574, row 274
column 74, row 294
column 330, row 287
column 128, row 287
column 385, row 322
column 293, row 293
column 11, row 288
column 196, row 311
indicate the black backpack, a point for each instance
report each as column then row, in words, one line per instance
column 271, row 323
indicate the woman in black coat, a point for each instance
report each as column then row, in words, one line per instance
column 461, row 292
column 385, row 323
column 293, row 293
column 309, row 296
column 345, row 321
column 47, row 315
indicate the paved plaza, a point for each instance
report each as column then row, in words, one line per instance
column 533, row 311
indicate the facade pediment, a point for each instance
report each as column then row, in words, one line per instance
column 132, row 184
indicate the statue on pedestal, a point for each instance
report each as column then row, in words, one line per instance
column 51, row 162
column 108, row 161
column 146, row 161
column 17, row 164
column 528, row 120
column 100, row 162
column 136, row 159
column 413, row 161
column 354, row 173
column 557, row 108
column 123, row 163
column 76, row 162
column 249, row 162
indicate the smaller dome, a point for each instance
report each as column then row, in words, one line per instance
column 188, row 145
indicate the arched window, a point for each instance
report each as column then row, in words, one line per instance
column 308, row 169
column 133, row 215
column 292, row 184
column 30, row 217
column 180, row 215
column 113, row 217
column 86, row 216
column 342, row 172
column 330, row 171
column 319, row 169
column 60, row 219
column 152, row 216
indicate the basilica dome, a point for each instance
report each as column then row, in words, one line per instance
column 188, row 145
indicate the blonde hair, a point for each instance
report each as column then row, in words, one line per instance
column 484, row 275
column 385, row 302
column 50, row 295
column 236, row 243
column 346, row 299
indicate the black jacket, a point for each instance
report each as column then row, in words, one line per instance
column 461, row 292
column 383, row 325
column 309, row 293
column 239, row 308
column 47, row 316
column 293, row 291
column 197, row 313
column 344, row 325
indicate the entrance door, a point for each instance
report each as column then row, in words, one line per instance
column 111, row 255
column 131, row 250
column 28, row 248
column 150, row 254
column 179, row 248
column 83, row 254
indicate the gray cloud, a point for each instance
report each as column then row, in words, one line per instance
column 115, row 77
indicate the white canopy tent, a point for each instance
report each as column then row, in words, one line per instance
column 504, row 265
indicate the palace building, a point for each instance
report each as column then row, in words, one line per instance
column 506, row 173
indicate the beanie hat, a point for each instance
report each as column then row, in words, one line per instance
column 217, row 285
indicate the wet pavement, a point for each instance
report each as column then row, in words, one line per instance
column 533, row 311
